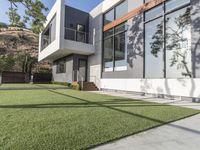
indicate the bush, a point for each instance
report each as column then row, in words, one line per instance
column 75, row 86
column 62, row 83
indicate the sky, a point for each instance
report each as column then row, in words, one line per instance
column 85, row 5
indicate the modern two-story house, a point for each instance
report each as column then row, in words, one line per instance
column 143, row 46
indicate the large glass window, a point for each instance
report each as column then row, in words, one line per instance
column 154, row 63
column 121, row 9
column 115, row 48
column 178, row 44
column 48, row 35
column 168, row 41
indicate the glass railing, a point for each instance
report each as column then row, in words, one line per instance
column 74, row 35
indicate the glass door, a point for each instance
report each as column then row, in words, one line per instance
column 82, row 67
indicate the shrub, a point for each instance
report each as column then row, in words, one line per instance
column 75, row 86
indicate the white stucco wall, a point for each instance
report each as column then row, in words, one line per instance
column 55, row 45
column 175, row 87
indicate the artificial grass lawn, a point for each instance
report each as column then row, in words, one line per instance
column 30, row 86
column 66, row 119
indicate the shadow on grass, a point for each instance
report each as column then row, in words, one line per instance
column 112, row 105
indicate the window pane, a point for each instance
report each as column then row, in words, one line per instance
column 60, row 68
column 132, row 4
column 120, row 50
column 120, row 28
column 153, row 13
column 121, row 9
column 178, row 44
column 147, row 1
column 109, row 17
column 154, row 63
column 108, row 54
column 108, row 33
column 172, row 4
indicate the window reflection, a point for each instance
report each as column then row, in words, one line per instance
column 109, row 17
column 60, row 66
column 108, row 54
column 153, row 13
column 154, row 63
column 120, row 50
column 121, row 9
column 172, row 4
column 178, row 44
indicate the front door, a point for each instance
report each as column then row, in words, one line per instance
column 82, row 67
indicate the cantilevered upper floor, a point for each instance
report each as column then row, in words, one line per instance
column 65, row 32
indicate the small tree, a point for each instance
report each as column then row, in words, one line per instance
column 26, row 61
column 6, row 63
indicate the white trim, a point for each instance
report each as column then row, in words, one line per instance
column 108, row 69
column 121, row 68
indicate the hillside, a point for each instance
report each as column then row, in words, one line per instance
column 16, row 41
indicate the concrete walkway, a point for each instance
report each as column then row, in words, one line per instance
column 180, row 135
column 183, row 103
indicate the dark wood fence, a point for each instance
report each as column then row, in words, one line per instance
column 14, row 77
column 42, row 77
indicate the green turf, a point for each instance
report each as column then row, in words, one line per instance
column 30, row 86
column 66, row 119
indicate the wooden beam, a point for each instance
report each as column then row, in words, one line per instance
column 133, row 13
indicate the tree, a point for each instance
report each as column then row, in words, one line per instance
column 33, row 13
column 26, row 61
column 14, row 18
column 7, row 63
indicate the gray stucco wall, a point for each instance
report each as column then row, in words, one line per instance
column 68, row 75
column 134, row 51
column 72, row 64
column 195, row 15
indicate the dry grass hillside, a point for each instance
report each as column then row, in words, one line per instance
column 16, row 41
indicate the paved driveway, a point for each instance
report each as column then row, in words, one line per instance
column 180, row 135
